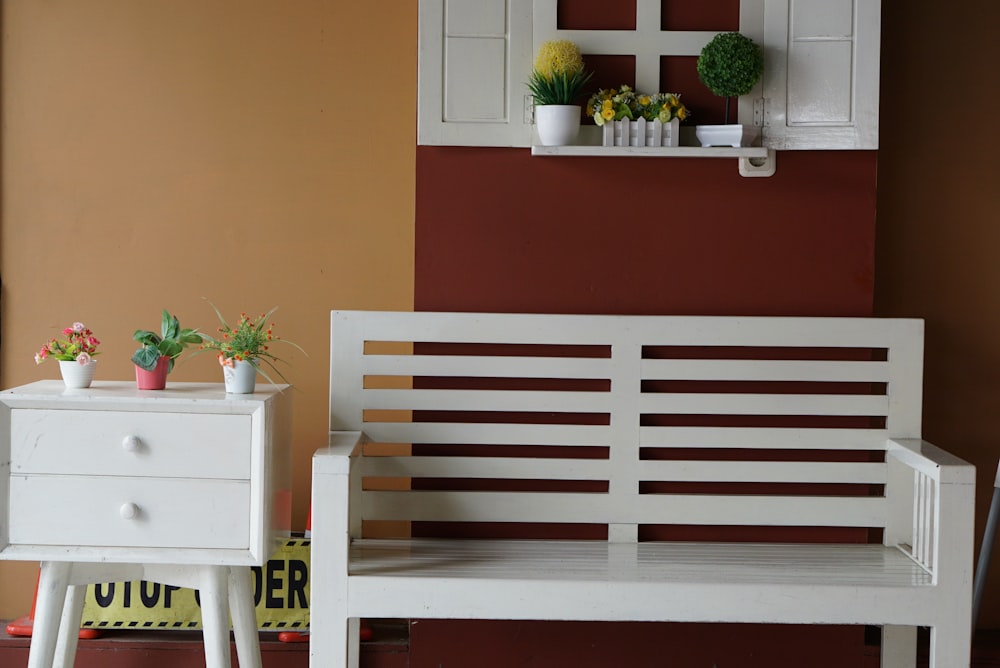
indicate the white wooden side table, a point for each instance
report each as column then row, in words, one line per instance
column 187, row 486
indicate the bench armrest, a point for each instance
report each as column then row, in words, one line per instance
column 932, row 509
column 341, row 447
column 335, row 495
column 335, row 521
column 932, row 461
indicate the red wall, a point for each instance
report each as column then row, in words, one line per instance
column 499, row 230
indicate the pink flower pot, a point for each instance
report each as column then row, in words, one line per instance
column 155, row 379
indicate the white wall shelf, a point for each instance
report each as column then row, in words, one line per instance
column 753, row 160
column 652, row 151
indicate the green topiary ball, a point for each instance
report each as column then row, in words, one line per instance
column 731, row 64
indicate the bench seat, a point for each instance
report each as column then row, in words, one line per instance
column 719, row 582
column 669, row 563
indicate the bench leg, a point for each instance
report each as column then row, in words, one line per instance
column 950, row 646
column 353, row 642
column 340, row 648
column 899, row 646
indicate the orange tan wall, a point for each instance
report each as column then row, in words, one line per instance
column 155, row 153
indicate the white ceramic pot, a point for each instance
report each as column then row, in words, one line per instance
column 76, row 375
column 241, row 378
column 726, row 135
column 557, row 124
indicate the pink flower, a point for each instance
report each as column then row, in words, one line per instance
column 79, row 344
column 224, row 361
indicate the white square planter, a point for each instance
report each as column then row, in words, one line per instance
column 641, row 133
column 726, row 135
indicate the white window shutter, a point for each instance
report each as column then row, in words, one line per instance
column 474, row 59
column 821, row 74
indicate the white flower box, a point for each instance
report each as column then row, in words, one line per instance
column 641, row 133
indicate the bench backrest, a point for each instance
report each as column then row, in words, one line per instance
column 627, row 425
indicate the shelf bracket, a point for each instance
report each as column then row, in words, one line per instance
column 759, row 166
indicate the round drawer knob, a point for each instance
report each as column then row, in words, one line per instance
column 131, row 443
column 129, row 511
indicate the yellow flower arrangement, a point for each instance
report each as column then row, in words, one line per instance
column 558, row 74
column 612, row 105
column 558, row 57
column 616, row 105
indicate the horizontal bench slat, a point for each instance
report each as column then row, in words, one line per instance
column 762, row 404
column 652, row 369
column 488, row 400
column 509, row 468
column 489, row 433
column 764, row 370
column 648, row 403
column 431, row 506
column 764, row 472
column 771, row 438
column 749, row 510
column 558, row 507
column 505, row 328
column 486, row 367
column 517, row 468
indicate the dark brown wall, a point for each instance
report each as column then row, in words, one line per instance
column 937, row 231
column 497, row 229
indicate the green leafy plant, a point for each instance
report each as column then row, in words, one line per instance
column 730, row 65
column 170, row 342
column 249, row 341
column 558, row 75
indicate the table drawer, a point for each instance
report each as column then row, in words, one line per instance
column 94, row 511
column 81, row 442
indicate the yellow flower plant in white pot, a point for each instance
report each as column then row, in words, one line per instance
column 555, row 83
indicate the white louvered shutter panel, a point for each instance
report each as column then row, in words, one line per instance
column 474, row 59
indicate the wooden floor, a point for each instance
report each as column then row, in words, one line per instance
column 183, row 649
column 390, row 648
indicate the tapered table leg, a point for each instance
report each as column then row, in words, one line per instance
column 244, row 615
column 52, row 584
column 214, row 591
column 69, row 626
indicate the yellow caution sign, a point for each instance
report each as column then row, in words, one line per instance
column 281, row 594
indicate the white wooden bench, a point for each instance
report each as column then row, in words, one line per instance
column 625, row 430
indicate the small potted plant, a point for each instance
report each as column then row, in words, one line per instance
column 730, row 65
column 555, row 83
column 76, row 352
column 155, row 357
column 243, row 349
column 661, row 114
